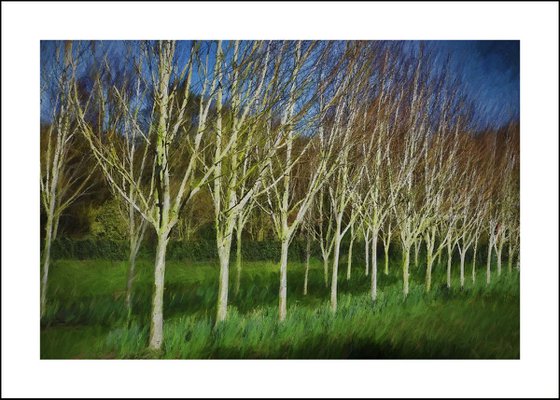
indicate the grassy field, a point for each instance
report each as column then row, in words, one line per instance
column 86, row 317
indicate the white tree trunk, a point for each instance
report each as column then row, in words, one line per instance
column 429, row 264
column 449, row 259
column 474, row 263
column 223, row 253
column 366, row 239
column 499, row 259
column 405, row 268
column 462, row 267
column 489, row 261
column 416, row 252
column 334, row 278
column 307, row 258
column 386, row 251
column 238, row 261
column 326, row 270
column 510, row 257
column 156, row 327
column 374, row 266
column 349, row 268
column 130, row 281
column 283, row 293
column 46, row 263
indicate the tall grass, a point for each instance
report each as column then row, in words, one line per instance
column 476, row 322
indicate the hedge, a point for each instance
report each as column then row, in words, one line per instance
column 199, row 250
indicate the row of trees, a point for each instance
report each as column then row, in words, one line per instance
column 327, row 138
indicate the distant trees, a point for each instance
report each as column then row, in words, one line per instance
column 282, row 138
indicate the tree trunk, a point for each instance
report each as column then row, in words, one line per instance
column 510, row 258
column 374, row 266
column 283, row 280
column 416, row 251
column 488, row 261
column 334, row 278
column 307, row 258
column 474, row 263
column 462, row 267
column 449, row 259
column 366, row 238
column 46, row 263
column 405, row 266
column 349, row 268
column 326, row 270
column 223, row 253
column 386, row 251
column 429, row 262
column 156, row 327
column 499, row 259
column 130, row 280
column 238, row 261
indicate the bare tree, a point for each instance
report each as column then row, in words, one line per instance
column 173, row 143
column 288, row 211
column 62, row 179
column 238, row 170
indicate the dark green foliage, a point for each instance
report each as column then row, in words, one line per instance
column 85, row 249
column 200, row 250
column 196, row 250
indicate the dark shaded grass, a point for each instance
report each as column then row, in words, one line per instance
column 86, row 317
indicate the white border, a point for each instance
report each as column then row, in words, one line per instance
column 24, row 24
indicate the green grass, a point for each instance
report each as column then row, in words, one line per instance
column 86, row 316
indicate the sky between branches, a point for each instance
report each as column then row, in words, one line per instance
column 487, row 72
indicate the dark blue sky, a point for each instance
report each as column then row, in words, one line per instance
column 488, row 72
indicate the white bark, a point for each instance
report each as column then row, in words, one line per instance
column 489, row 260
column 499, row 258
column 349, row 265
column 462, row 267
column 156, row 327
column 46, row 263
column 283, row 292
column 129, row 282
column 326, row 270
column 416, row 252
column 223, row 253
column 334, row 278
column 449, row 260
column 405, row 269
column 307, row 258
column 366, row 241
column 238, row 259
column 429, row 265
column 374, row 266
column 474, row 262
